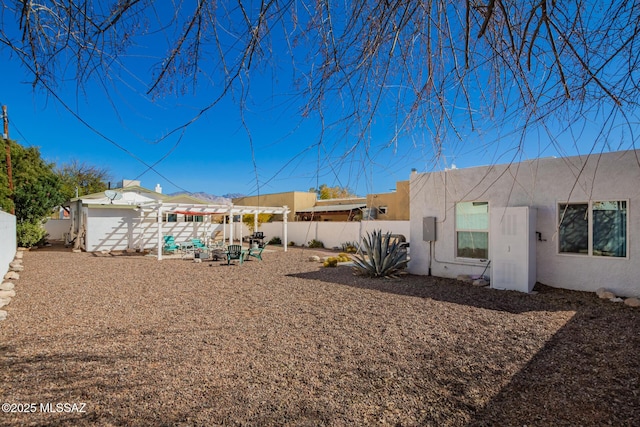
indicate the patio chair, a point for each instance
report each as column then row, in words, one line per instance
column 234, row 252
column 257, row 252
column 197, row 244
column 170, row 245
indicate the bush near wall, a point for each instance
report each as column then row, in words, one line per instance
column 28, row 234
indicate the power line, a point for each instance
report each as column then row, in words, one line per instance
column 105, row 137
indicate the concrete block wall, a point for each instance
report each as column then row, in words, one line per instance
column 332, row 233
column 9, row 246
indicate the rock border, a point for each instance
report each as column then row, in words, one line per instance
column 604, row 293
column 7, row 287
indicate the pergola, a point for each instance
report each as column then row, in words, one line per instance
column 161, row 208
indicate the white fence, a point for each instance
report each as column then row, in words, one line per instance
column 126, row 232
column 8, row 239
column 332, row 233
column 56, row 228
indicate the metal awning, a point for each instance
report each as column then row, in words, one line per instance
column 333, row 208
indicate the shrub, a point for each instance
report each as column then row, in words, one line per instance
column 275, row 241
column 349, row 247
column 331, row 262
column 28, row 233
column 292, row 243
column 384, row 258
column 316, row 244
column 342, row 257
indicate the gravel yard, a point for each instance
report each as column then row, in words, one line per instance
column 288, row 342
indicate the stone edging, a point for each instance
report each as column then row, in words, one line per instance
column 7, row 287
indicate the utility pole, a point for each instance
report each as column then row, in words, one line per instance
column 7, row 146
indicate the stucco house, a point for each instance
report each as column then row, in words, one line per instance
column 568, row 222
column 304, row 206
column 133, row 217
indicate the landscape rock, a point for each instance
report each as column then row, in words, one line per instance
column 76, row 251
column 3, row 314
column 7, row 294
column 19, row 255
column 480, row 282
column 12, row 275
column 16, row 263
column 616, row 299
column 17, row 267
column 465, row 278
column 4, row 301
column 605, row 294
column 7, row 286
column 632, row 302
column 314, row 258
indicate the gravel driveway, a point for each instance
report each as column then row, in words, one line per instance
column 128, row 340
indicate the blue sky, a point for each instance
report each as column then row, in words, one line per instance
column 266, row 147
column 213, row 154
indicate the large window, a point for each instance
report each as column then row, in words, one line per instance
column 596, row 228
column 472, row 230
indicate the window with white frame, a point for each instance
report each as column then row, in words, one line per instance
column 597, row 228
column 472, row 230
column 170, row 217
column 193, row 218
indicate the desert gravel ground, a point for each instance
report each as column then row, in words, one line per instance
column 288, row 342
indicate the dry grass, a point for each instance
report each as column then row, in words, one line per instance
column 287, row 342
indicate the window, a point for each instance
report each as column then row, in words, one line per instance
column 193, row 218
column 472, row 230
column 596, row 228
column 170, row 217
column 382, row 210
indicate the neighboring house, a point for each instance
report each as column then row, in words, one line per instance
column 392, row 206
column 304, row 206
column 569, row 222
column 295, row 200
column 347, row 209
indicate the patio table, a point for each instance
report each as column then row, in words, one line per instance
column 186, row 248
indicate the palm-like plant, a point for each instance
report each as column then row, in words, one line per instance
column 383, row 258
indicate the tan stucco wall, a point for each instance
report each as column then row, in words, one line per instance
column 397, row 203
column 293, row 199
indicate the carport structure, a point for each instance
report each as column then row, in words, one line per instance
column 206, row 211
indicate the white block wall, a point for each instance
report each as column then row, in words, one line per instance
column 332, row 233
column 56, row 228
column 8, row 241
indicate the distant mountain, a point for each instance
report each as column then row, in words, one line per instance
column 234, row 195
column 220, row 200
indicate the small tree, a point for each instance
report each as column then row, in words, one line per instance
column 83, row 178
column 325, row 192
column 249, row 220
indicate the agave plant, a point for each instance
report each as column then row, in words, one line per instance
column 383, row 257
